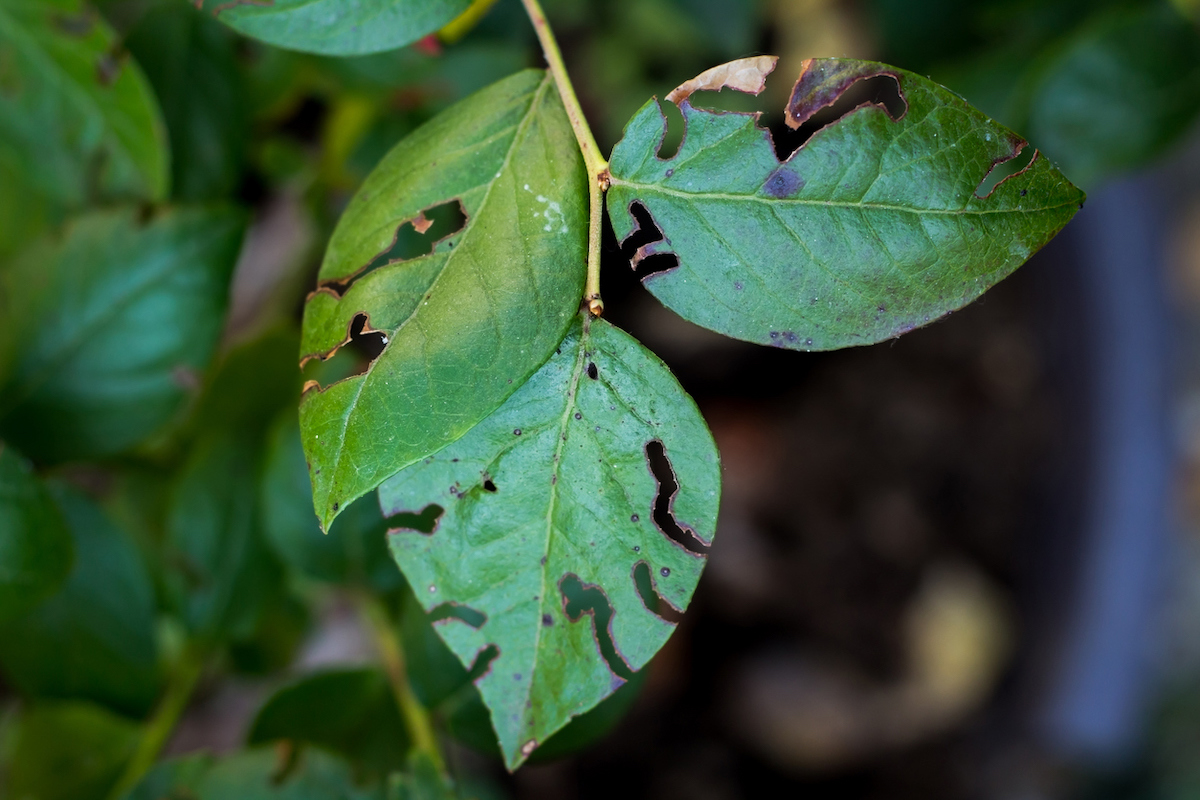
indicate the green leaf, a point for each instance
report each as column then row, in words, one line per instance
column 77, row 121
column 871, row 228
column 94, row 639
column 107, row 327
column 35, row 546
column 69, row 751
column 1117, row 93
column 599, row 469
column 336, row 27
column 422, row 781
column 349, row 712
column 168, row 780
column 466, row 324
column 221, row 573
column 191, row 63
column 354, row 552
column 257, row 774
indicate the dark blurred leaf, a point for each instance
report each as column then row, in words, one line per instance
column 110, row 324
column 337, row 27
column 77, row 121
column 69, row 751
column 190, row 61
column 421, row 781
column 35, row 546
column 873, row 227
column 220, row 573
column 277, row 636
column 354, row 552
column 95, row 638
column 1116, row 94
column 349, row 712
column 257, row 774
column 251, row 385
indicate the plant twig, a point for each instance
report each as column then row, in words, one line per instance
column 161, row 724
column 416, row 717
column 597, row 166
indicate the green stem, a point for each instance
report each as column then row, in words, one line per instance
column 597, row 165
column 161, row 724
column 416, row 717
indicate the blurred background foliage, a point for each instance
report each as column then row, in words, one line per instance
column 166, row 189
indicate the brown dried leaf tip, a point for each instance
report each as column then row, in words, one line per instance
column 747, row 75
column 822, row 83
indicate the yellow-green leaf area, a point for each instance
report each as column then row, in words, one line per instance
column 558, row 540
column 466, row 323
column 877, row 224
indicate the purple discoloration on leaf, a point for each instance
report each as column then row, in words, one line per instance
column 823, row 81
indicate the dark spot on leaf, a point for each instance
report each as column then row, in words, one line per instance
column 581, row 598
column 643, row 581
column 737, row 285
column 489, row 486
column 670, row 171
column 782, row 183
column 665, row 572
column 108, row 69
column 592, row 372
column 425, row 522
column 664, row 500
column 516, row 431
column 578, row 415
column 335, row 506
column 447, row 611
column 1024, row 192
column 634, row 518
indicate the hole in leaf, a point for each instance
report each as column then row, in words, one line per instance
column 651, row 599
column 459, row 612
column 880, row 91
column 362, row 345
column 639, row 248
column 673, row 133
column 414, row 238
column 426, row 522
column 581, row 598
column 483, row 662
column 1005, row 168
column 664, row 500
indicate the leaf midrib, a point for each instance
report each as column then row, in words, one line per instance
column 773, row 202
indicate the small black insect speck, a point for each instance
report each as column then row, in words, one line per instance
column 578, row 415
column 516, row 431
column 547, row 620
column 665, row 571
column 593, row 373
column 634, row 518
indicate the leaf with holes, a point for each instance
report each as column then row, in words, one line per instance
column 873, row 227
column 463, row 320
column 572, row 526
column 336, row 27
column 78, row 122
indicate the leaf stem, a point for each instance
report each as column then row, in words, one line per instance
column 416, row 717
column 161, row 724
column 597, row 165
